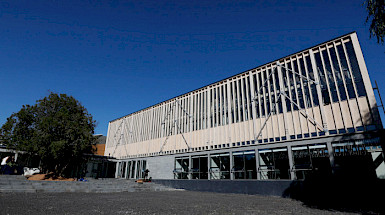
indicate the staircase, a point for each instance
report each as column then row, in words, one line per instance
column 18, row 183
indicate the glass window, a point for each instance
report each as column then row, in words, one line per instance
column 355, row 69
column 359, row 158
column 277, row 90
column 285, row 81
column 332, row 85
column 338, row 75
column 245, row 95
column 197, row 117
column 310, row 159
column 266, row 87
column 250, row 97
column 321, row 74
column 261, row 93
column 236, row 99
column 200, row 111
column 274, row 164
column 232, row 102
column 199, row 168
column 226, row 106
column 311, row 76
column 132, row 171
column 305, row 83
column 240, row 100
column 298, row 85
column 244, row 165
column 211, row 102
column 138, row 170
column 256, row 96
column 220, row 166
column 181, row 168
column 345, row 72
column 292, row 86
column 219, row 107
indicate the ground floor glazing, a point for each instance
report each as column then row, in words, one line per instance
column 291, row 161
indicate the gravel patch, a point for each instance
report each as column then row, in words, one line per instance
column 162, row 202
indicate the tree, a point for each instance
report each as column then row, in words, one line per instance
column 57, row 128
column 376, row 17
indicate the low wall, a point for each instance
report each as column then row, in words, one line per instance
column 272, row 188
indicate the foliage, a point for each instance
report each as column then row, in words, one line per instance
column 57, row 128
column 376, row 17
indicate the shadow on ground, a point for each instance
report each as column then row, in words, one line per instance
column 342, row 193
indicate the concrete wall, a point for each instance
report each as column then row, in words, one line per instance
column 161, row 167
column 272, row 188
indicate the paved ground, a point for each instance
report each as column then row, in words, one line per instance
column 164, row 202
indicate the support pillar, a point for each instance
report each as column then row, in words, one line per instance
column 189, row 176
column 117, row 169
column 16, row 154
column 209, row 166
column 231, row 165
column 257, row 164
column 331, row 155
column 291, row 162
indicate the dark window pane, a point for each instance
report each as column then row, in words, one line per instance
column 285, row 81
column 355, row 69
column 305, row 83
column 332, row 85
column 338, row 75
column 261, row 94
column 311, row 76
column 321, row 74
column 250, row 97
column 256, row 102
column 240, row 99
column 345, row 72
column 266, row 87
column 298, row 85
column 236, row 102
column 245, row 91
column 292, row 86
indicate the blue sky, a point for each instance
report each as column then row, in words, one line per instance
column 117, row 57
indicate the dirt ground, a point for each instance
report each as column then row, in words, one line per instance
column 45, row 177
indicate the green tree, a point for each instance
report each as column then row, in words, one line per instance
column 376, row 17
column 57, row 128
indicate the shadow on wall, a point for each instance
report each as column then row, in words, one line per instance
column 352, row 189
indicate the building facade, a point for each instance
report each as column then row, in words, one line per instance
column 314, row 110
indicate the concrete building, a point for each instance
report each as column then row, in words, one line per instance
column 312, row 111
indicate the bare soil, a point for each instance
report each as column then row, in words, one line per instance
column 48, row 177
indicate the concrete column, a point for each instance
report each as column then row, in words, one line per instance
column 189, row 167
column 231, row 165
column 291, row 162
column 117, row 169
column 257, row 164
column 331, row 155
column 209, row 166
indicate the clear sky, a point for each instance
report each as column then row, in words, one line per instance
column 117, row 57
